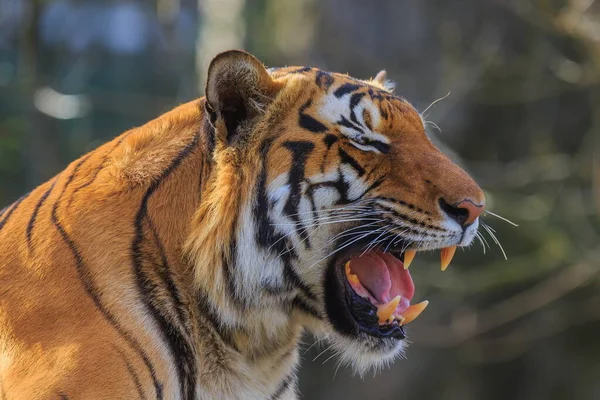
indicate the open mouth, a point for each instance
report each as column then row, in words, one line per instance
column 371, row 291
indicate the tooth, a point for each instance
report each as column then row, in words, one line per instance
column 446, row 256
column 352, row 278
column 386, row 311
column 347, row 268
column 413, row 312
column 409, row 256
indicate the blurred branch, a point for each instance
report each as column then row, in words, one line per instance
column 518, row 340
column 468, row 325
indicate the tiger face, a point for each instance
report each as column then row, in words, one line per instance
column 343, row 187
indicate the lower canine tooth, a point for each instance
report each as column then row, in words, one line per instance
column 386, row 311
column 446, row 256
column 413, row 312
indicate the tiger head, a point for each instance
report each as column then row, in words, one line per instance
column 321, row 189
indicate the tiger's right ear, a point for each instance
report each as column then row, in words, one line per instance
column 238, row 88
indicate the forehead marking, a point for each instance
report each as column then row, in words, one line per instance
column 308, row 122
column 345, row 108
column 324, row 80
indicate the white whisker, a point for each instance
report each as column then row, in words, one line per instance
column 495, row 239
column 478, row 235
column 345, row 245
column 374, row 241
column 356, row 206
column 434, row 102
column 321, row 353
column 327, row 223
column 501, row 217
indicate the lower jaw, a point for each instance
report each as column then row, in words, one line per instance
column 350, row 314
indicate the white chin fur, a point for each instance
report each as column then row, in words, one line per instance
column 366, row 353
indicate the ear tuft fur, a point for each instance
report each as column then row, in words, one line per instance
column 382, row 81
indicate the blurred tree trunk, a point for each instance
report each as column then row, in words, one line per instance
column 42, row 155
column 222, row 27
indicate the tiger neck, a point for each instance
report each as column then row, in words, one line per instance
column 231, row 271
column 191, row 199
column 209, row 186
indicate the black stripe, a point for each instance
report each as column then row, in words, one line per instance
column 301, row 70
column 31, row 224
column 349, row 124
column 292, row 277
column 404, row 203
column 382, row 147
column 63, row 396
column 348, row 159
column 410, row 219
column 134, row 376
column 340, row 185
column 308, row 122
column 305, row 307
column 384, row 113
column 283, row 387
column 300, row 151
column 313, row 205
column 165, row 275
column 223, row 331
column 181, row 351
column 324, row 80
column 354, row 101
column 265, row 234
column 266, row 237
column 11, row 210
column 229, row 271
column 345, row 89
column 329, row 140
column 373, row 186
column 209, row 137
column 88, row 284
column 102, row 165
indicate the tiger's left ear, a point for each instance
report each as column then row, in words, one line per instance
column 238, row 88
column 381, row 79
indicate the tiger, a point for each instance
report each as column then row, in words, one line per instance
column 186, row 258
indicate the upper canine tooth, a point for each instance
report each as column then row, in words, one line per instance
column 414, row 311
column 446, row 256
column 385, row 311
column 409, row 256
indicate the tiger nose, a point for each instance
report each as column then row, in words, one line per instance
column 465, row 212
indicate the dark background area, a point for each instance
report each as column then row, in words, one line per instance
column 522, row 116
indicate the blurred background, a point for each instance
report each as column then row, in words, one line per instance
column 522, row 116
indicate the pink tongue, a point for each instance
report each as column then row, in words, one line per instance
column 384, row 276
column 373, row 274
